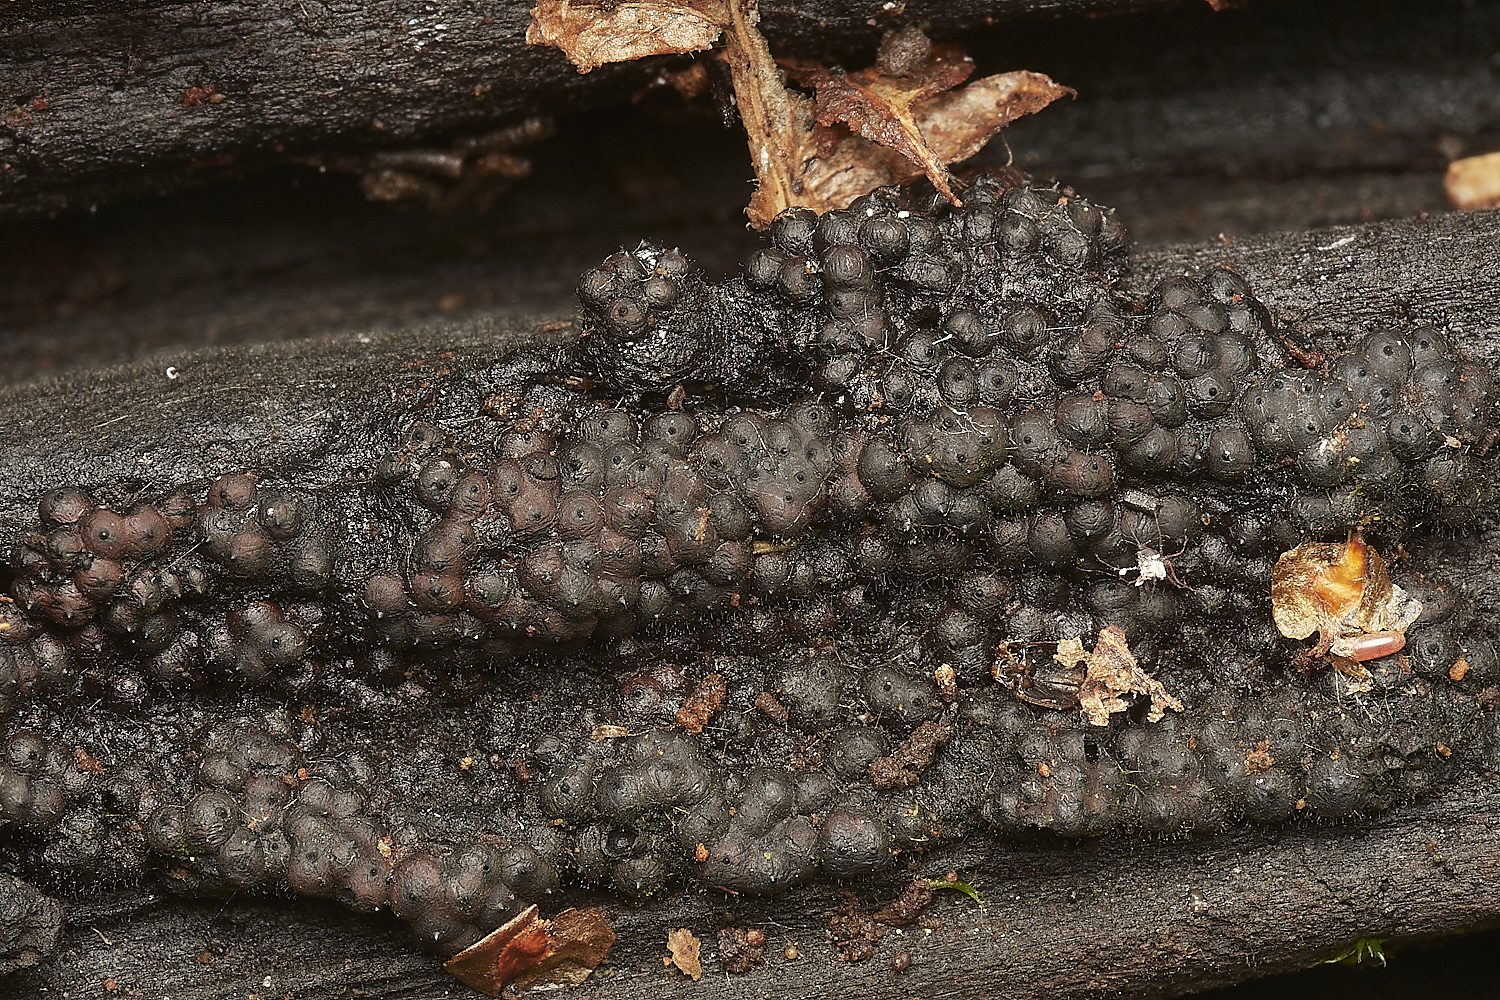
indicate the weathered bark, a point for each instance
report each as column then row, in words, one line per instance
column 1126, row 916
column 104, row 101
column 1115, row 917
column 95, row 91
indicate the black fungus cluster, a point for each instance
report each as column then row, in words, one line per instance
column 935, row 443
column 1060, row 459
column 119, row 598
column 809, row 769
column 1141, row 498
column 882, row 304
column 898, row 311
column 261, row 817
column 1398, row 412
column 650, row 306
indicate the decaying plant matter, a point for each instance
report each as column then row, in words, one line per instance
column 303, row 419
column 902, row 118
column 529, row 952
column 1111, row 671
column 1343, row 592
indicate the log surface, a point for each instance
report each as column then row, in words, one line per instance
column 1123, row 916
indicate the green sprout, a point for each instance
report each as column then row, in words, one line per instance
column 1365, row 950
column 958, row 886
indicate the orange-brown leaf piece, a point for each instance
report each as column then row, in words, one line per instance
column 959, row 123
column 516, row 946
column 905, row 116
column 906, row 103
column 879, row 106
column 581, row 939
column 528, row 951
column 1341, row 590
column 591, row 35
column 833, row 166
column 684, row 948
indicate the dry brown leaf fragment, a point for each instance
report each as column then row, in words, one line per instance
column 594, row 34
column 581, row 939
column 837, row 166
column 591, row 35
column 906, row 118
column 959, row 123
column 1112, row 672
column 684, row 948
column 880, row 106
column 776, row 126
column 516, row 946
column 528, row 951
